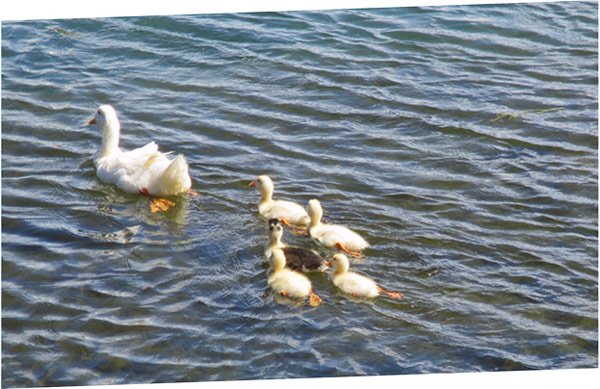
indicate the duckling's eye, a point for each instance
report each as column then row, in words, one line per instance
column 99, row 112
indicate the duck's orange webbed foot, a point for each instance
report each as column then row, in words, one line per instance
column 356, row 254
column 160, row 205
column 157, row 204
column 299, row 230
column 393, row 295
column 295, row 229
column 314, row 300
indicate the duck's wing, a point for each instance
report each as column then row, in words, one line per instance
column 144, row 161
column 327, row 234
column 134, row 169
column 135, row 159
column 300, row 258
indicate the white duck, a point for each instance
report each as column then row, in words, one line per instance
column 289, row 283
column 353, row 283
column 332, row 235
column 297, row 258
column 288, row 212
column 144, row 170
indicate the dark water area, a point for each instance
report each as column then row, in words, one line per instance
column 460, row 141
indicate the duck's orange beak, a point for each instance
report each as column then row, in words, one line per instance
column 252, row 184
column 329, row 264
column 92, row 121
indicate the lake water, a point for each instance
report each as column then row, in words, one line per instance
column 460, row 141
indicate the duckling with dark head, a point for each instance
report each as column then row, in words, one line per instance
column 298, row 258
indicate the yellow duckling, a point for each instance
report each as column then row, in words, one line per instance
column 289, row 283
column 355, row 284
column 333, row 235
column 290, row 213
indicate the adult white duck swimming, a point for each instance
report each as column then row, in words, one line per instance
column 355, row 284
column 288, row 212
column 144, row 170
column 290, row 283
column 333, row 235
column 297, row 258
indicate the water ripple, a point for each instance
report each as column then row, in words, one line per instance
column 460, row 141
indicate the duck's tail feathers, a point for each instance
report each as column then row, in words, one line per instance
column 176, row 176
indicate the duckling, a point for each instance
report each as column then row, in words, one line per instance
column 297, row 258
column 289, row 283
column 332, row 235
column 353, row 283
column 290, row 213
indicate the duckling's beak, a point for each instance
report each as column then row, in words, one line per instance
column 329, row 264
column 252, row 184
column 92, row 121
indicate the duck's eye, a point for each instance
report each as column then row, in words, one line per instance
column 99, row 112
